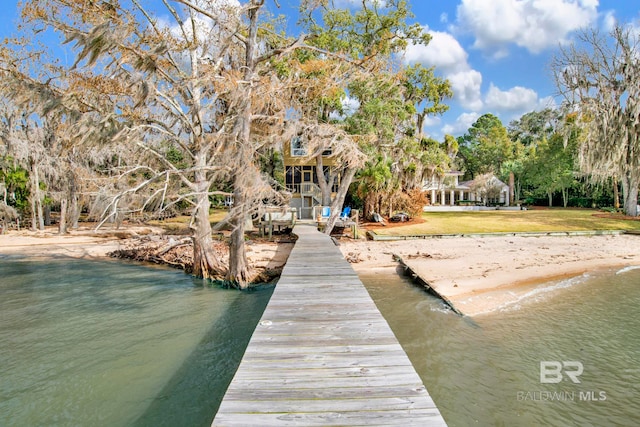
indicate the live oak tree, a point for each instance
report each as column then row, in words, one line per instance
column 190, row 83
column 30, row 145
column 485, row 146
column 547, row 159
column 366, row 41
column 550, row 168
column 393, row 109
column 599, row 77
column 526, row 133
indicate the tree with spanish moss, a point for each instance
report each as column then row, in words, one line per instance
column 193, row 82
column 599, row 77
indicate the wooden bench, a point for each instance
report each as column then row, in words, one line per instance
column 277, row 218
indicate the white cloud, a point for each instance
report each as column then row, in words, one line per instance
column 446, row 54
column 513, row 103
column 430, row 121
column 589, row 4
column 546, row 102
column 609, row 21
column 466, row 89
column 443, row 52
column 461, row 125
column 516, row 99
column 350, row 105
column 531, row 24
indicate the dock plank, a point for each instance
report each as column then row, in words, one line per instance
column 322, row 354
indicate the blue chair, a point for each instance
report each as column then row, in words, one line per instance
column 345, row 213
column 326, row 212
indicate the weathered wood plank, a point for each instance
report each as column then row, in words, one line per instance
column 333, row 361
column 316, row 405
column 416, row 417
column 350, row 350
column 326, row 394
column 323, row 354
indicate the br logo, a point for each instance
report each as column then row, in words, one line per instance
column 551, row 371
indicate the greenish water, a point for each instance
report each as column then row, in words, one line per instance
column 487, row 371
column 113, row 344
column 110, row 344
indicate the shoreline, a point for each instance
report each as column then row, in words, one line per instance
column 481, row 275
column 478, row 275
column 264, row 257
column 82, row 243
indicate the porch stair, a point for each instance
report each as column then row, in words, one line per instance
column 309, row 189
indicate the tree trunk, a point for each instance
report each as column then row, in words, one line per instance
column 74, row 208
column 550, row 196
column 205, row 263
column 34, row 215
column 565, row 197
column 74, row 212
column 420, row 125
column 630, row 194
column 369, row 205
column 62, row 225
column 47, row 215
column 37, row 217
column 512, row 185
column 336, row 206
column 238, row 274
column 616, row 193
column 325, row 186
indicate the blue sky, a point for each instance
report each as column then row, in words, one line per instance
column 495, row 52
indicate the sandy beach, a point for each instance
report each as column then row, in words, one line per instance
column 483, row 274
column 83, row 243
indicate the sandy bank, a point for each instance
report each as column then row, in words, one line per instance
column 87, row 243
column 482, row 274
column 83, row 243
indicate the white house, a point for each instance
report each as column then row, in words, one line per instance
column 447, row 190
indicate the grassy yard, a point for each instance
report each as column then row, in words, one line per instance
column 180, row 224
column 512, row 221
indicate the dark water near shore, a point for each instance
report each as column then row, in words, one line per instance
column 110, row 344
column 487, row 371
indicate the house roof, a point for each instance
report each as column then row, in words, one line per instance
column 491, row 178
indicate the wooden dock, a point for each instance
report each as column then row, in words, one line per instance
column 323, row 355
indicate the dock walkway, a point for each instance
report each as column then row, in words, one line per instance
column 323, row 355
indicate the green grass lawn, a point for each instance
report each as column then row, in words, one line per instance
column 180, row 224
column 512, row 221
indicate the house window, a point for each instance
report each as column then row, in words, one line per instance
column 297, row 147
column 296, row 175
column 293, row 178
